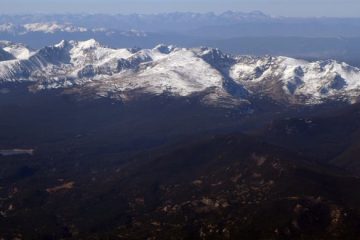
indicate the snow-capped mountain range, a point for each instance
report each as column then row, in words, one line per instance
column 118, row 73
column 55, row 27
column 152, row 22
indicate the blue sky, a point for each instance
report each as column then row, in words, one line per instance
column 342, row 8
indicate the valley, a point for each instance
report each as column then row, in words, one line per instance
column 170, row 167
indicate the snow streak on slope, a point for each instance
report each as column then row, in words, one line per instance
column 178, row 72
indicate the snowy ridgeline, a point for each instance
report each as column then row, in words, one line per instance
column 178, row 72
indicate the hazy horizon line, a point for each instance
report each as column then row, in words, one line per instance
column 166, row 12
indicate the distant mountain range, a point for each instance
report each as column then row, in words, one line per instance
column 253, row 33
column 232, row 24
column 54, row 27
column 147, row 22
column 88, row 66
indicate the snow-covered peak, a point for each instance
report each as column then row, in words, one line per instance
column 254, row 15
column 165, row 49
column 7, row 27
column 134, row 33
column 151, row 55
column 18, row 51
column 92, row 52
column 89, row 44
column 52, row 27
column 214, row 55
